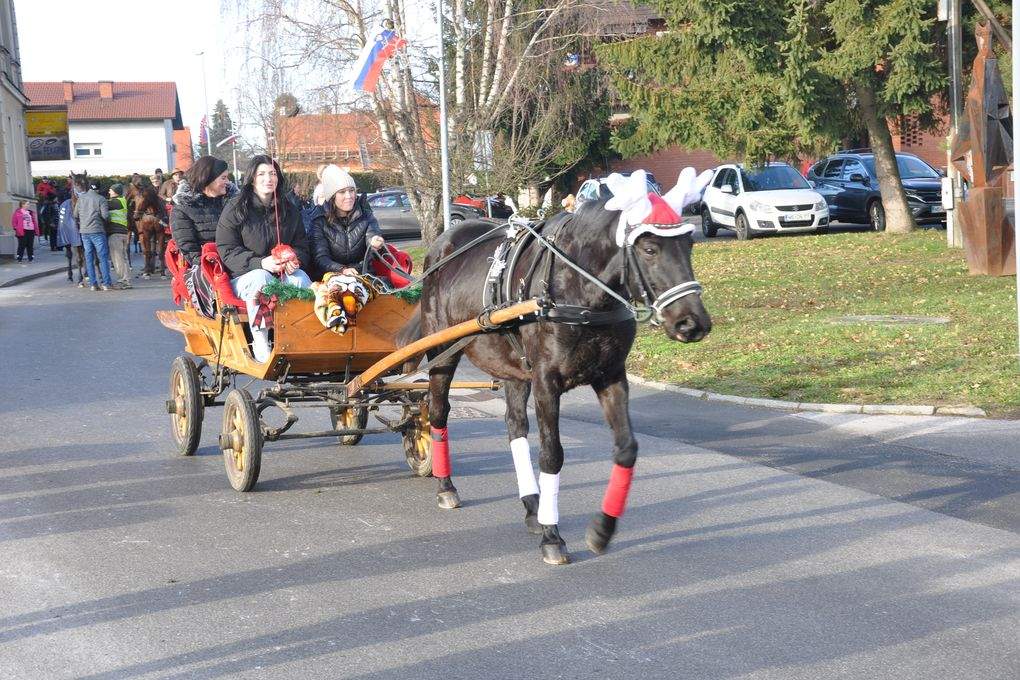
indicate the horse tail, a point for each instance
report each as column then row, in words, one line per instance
column 411, row 330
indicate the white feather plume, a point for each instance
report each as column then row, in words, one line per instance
column 687, row 190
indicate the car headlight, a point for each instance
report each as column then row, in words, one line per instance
column 758, row 206
column 821, row 205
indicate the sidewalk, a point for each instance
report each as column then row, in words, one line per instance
column 46, row 262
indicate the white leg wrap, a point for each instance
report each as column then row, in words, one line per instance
column 548, row 499
column 526, row 484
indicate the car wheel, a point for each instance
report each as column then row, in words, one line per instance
column 455, row 219
column 708, row 227
column 876, row 216
column 743, row 228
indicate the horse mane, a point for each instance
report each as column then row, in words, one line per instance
column 146, row 198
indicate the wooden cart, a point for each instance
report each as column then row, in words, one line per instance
column 310, row 366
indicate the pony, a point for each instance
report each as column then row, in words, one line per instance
column 544, row 358
column 150, row 224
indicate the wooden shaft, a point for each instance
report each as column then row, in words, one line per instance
column 424, row 385
column 442, row 337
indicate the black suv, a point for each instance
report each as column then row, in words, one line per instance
column 848, row 182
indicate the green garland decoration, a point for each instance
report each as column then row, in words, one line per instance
column 285, row 291
column 412, row 294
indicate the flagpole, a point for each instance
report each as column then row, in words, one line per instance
column 1016, row 177
column 443, row 139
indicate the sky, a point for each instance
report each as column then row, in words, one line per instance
column 90, row 41
column 64, row 40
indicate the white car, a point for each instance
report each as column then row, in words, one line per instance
column 773, row 198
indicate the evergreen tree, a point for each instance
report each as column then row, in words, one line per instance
column 762, row 79
column 220, row 128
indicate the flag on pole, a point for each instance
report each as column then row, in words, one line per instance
column 203, row 131
column 372, row 58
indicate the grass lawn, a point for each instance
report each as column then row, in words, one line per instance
column 775, row 303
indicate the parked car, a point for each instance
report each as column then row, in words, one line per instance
column 493, row 206
column 393, row 210
column 773, row 198
column 849, row 184
column 589, row 189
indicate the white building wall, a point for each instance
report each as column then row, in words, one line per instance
column 128, row 146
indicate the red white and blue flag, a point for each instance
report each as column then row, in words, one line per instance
column 203, row 132
column 372, row 58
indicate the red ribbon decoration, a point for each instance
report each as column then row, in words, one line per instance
column 264, row 313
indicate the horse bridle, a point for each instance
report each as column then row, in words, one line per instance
column 654, row 304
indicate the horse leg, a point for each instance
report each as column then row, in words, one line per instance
column 615, row 400
column 440, row 377
column 70, row 270
column 79, row 258
column 550, row 462
column 517, row 393
column 146, row 251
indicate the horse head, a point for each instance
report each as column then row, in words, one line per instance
column 656, row 250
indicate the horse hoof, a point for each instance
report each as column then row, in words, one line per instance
column 599, row 533
column 531, row 513
column 555, row 554
column 448, row 500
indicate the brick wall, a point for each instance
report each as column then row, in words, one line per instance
column 666, row 164
column 929, row 145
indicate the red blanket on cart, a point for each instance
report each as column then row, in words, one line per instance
column 397, row 259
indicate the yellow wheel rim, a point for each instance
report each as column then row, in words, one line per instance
column 240, row 446
column 424, row 442
column 180, row 409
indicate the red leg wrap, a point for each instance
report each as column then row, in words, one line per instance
column 440, row 453
column 615, row 500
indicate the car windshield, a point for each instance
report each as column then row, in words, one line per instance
column 910, row 168
column 771, row 178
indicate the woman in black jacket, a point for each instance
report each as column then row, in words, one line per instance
column 344, row 227
column 198, row 203
column 259, row 237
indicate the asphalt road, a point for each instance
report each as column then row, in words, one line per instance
column 757, row 544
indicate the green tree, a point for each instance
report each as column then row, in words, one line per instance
column 221, row 127
column 762, row 79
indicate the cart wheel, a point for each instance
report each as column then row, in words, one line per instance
column 241, row 440
column 185, row 405
column 349, row 419
column 418, row 441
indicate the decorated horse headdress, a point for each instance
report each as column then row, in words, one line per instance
column 645, row 212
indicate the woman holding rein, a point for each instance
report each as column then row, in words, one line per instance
column 250, row 229
column 344, row 227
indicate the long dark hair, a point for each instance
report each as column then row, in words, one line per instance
column 247, row 198
column 203, row 172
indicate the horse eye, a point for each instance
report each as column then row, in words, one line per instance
column 649, row 250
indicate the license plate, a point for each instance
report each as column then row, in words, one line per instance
column 937, row 209
column 797, row 217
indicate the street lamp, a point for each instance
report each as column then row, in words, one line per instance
column 205, row 96
column 232, row 140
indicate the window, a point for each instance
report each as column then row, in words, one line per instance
column 87, row 149
column 720, row 178
column 772, row 177
column 853, row 168
column 384, row 201
column 731, row 179
column 817, row 169
column 834, row 170
column 405, row 202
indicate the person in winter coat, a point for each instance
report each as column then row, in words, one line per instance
column 92, row 211
column 260, row 236
column 344, row 227
column 26, row 228
column 198, row 204
column 169, row 187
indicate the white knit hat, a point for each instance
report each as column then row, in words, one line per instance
column 334, row 179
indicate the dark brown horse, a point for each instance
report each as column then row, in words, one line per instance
column 547, row 358
column 150, row 223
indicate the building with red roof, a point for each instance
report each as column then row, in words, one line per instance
column 351, row 140
column 115, row 128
